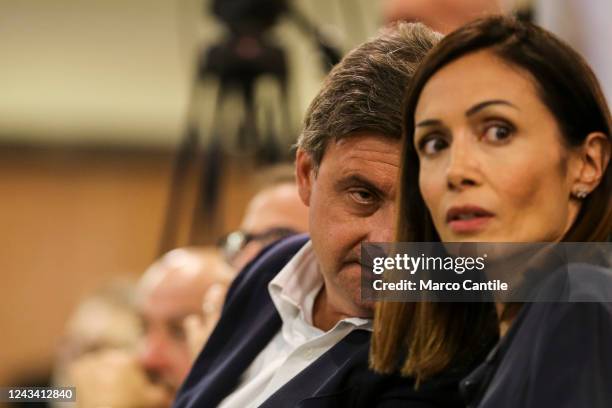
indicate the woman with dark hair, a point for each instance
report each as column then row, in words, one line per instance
column 507, row 139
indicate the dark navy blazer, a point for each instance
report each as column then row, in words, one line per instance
column 339, row 378
column 556, row 354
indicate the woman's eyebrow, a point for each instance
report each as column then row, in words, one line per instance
column 480, row 106
column 471, row 111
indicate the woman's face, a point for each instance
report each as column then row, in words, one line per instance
column 493, row 167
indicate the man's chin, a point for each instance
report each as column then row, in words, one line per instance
column 163, row 383
column 349, row 282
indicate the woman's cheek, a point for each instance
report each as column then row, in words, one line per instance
column 433, row 195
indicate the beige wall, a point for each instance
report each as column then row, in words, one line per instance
column 120, row 71
column 71, row 220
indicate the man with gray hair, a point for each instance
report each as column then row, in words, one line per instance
column 294, row 330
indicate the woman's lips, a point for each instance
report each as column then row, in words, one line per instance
column 468, row 218
column 467, row 226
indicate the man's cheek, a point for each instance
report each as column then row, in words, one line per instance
column 350, row 274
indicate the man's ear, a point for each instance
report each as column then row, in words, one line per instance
column 304, row 175
column 593, row 159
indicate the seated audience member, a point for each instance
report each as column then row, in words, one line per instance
column 113, row 378
column 171, row 290
column 519, row 153
column 107, row 319
column 294, row 331
column 97, row 353
column 276, row 211
column 149, row 372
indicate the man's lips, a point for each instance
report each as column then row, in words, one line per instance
column 468, row 218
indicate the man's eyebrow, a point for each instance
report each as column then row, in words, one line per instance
column 180, row 316
column 356, row 179
column 480, row 106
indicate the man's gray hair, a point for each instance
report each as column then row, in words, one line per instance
column 365, row 91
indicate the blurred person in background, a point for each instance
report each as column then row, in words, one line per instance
column 113, row 378
column 170, row 291
column 149, row 372
column 275, row 212
column 97, row 353
column 443, row 16
column 585, row 25
column 107, row 319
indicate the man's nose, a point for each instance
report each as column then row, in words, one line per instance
column 382, row 235
column 153, row 352
column 382, row 226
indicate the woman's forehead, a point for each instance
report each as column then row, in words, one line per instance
column 472, row 79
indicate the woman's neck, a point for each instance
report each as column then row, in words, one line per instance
column 504, row 318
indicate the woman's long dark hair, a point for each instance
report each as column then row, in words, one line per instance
column 437, row 336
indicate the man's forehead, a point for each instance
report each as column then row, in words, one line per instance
column 365, row 147
column 169, row 304
column 175, row 291
column 372, row 158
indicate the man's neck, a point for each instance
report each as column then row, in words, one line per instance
column 323, row 317
column 324, row 314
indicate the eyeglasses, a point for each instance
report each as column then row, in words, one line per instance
column 235, row 241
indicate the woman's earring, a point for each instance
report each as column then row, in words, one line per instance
column 580, row 193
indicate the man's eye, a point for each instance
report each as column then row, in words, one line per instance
column 177, row 331
column 497, row 132
column 432, row 145
column 362, row 196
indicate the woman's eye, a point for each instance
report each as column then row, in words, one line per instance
column 362, row 196
column 433, row 145
column 497, row 133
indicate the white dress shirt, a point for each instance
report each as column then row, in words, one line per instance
column 298, row 343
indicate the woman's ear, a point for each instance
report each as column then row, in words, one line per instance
column 304, row 171
column 593, row 159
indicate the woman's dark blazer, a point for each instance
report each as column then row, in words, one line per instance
column 556, row 354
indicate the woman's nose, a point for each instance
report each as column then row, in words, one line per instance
column 462, row 170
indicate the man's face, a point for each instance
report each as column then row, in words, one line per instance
column 164, row 351
column 352, row 200
column 170, row 291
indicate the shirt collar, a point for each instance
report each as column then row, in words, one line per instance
column 295, row 288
